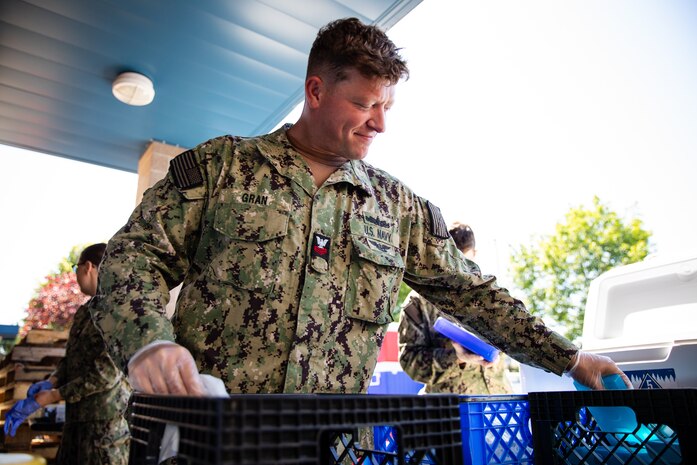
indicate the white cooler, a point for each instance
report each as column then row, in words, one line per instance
column 644, row 317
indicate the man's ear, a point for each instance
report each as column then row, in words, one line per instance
column 314, row 88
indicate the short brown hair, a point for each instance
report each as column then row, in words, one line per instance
column 463, row 236
column 348, row 43
column 93, row 253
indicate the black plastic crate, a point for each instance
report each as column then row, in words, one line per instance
column 302, row 429
column 663, row 430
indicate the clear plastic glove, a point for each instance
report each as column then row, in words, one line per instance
column 18, row 413
column 165, row 369
column 588, row 369
column 468, row 357
column 38, row 387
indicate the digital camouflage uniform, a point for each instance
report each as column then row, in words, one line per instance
column 429, row 357
column 288, row 287
column 96, row 396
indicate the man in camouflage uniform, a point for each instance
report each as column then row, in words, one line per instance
column 442, row 364
column 291, row 250
column 95, row 391
column 433, row 359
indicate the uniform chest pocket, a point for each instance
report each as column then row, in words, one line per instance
column 375, row 272
column 248, row 251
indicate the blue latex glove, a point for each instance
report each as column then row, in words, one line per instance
column 18, row 413
column 38, row 387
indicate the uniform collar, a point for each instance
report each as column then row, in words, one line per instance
column 276, row 148
column 354, row 172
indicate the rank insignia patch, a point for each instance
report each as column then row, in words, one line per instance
column 320, row 246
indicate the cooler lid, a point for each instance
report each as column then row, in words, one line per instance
column 650, row 302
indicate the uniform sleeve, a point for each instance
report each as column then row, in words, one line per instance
column 99, row 375
column 421, row 356
column 59, row 372
column 87, row 368
column 440, row 273
column 149, row 256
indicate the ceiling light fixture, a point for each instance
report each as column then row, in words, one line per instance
column 133, row 89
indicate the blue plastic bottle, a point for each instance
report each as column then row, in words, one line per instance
column 615, row 419
column 610, row 382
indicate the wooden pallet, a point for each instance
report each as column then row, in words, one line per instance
column 21, row 441
column 36, row 354
column 33, row 359
column 45, row 337
column 32, row 442
column 16, row 378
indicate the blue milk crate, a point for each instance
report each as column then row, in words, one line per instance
column 385, row 440
column 496, row 430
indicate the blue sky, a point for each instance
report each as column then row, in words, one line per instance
column 514, row 112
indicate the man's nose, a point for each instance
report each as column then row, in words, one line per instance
column 377, row 121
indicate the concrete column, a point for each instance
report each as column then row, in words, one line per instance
column 152, row 167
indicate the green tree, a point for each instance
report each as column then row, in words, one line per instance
column 404, row 290
column 554, row 272
column 66, row 264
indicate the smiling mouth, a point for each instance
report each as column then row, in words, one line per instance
column 367, row 137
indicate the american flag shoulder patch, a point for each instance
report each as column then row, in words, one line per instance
column 185, row 170
column 437, row 226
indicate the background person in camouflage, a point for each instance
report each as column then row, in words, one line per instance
column 442, row 364
column 95, row 391
column 291, row 249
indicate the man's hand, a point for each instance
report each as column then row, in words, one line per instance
column 18, row 413
column 589, row 369
column 166, row 369
column 38, row 387
column 465, row 356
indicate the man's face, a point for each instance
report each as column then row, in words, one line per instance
column 351, row 113
column 86, row 277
